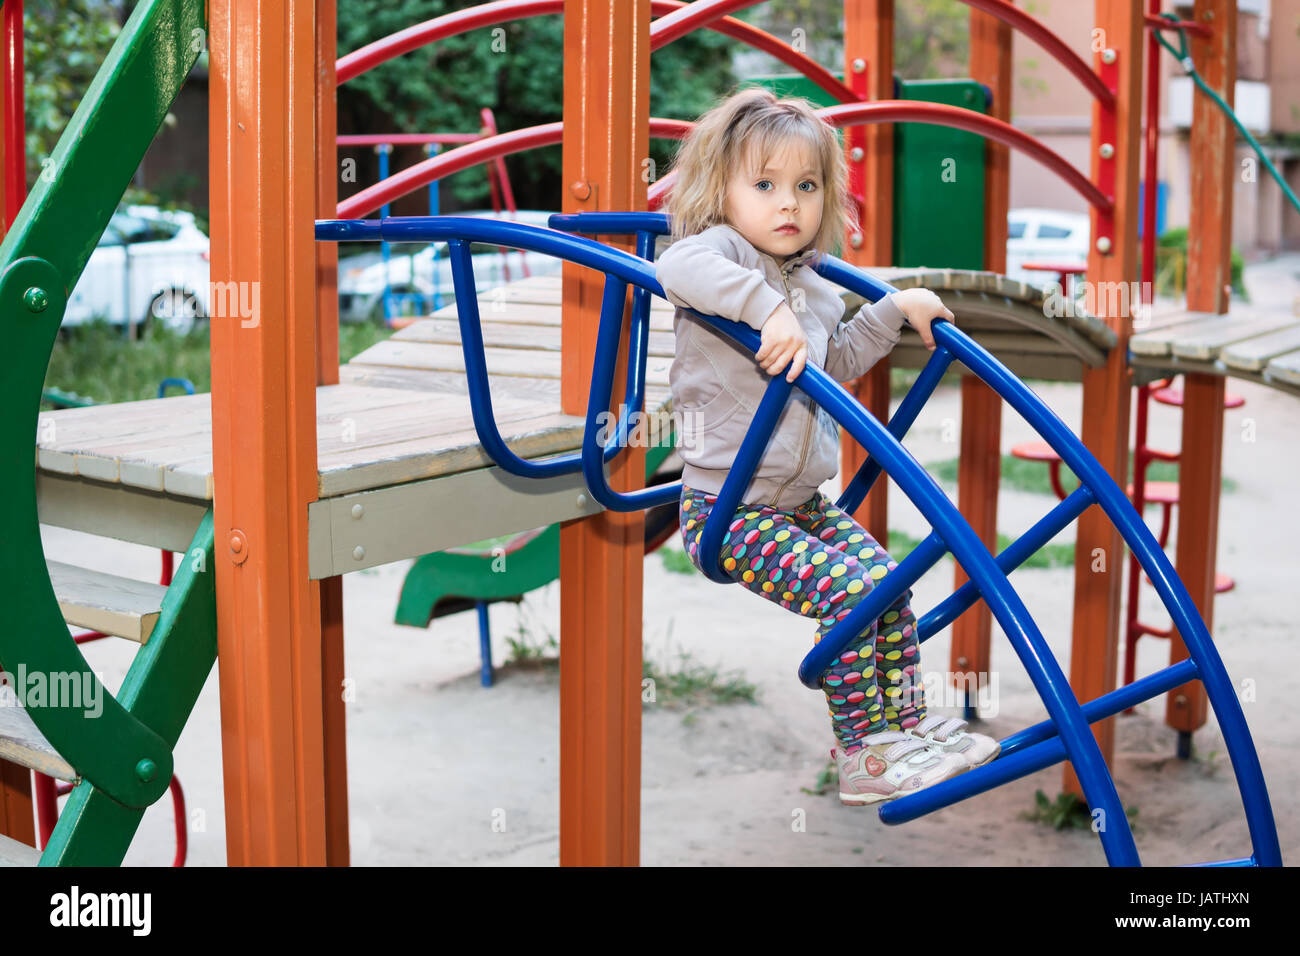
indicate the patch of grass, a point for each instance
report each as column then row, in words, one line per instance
column 678, row 562
column 689, row 683
column 826, row 780
column 97, row 361
column 1034, row 476
column 901, row 544
column 533, row 645
column 1068, row 811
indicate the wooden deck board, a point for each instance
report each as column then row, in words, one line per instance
column 1254, row 354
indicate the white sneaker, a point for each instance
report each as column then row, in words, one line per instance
column 946, row 734
column 890, row 764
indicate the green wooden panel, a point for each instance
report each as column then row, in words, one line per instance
column 939, row 182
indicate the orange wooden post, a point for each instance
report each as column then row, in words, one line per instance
column 1099, row 549
column 16, row 816
column 1209, row 265
column 869, row 69
column 979, row 463
column 606, row 139
column 327, row 373
column 262, row 86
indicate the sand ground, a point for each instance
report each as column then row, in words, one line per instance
column 444, row 771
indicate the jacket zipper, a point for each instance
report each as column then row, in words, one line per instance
column 807, row 434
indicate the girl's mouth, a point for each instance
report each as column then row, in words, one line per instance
column 788, row 230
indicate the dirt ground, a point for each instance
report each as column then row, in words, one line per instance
column 443, row 771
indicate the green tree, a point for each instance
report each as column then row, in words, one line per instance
column 515, row 69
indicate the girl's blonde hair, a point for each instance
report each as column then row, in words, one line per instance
column 754, row 125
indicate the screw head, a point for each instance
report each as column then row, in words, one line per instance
column 582, row 499
column 856, row 154
column 855, row 240
column 580, row 190
column 358, row 552
column 36, row 299
column 357, row 511
column 1103, row 245
column 1109, row 56
column 146, row 770
column 1106, row 151
column 859, row 64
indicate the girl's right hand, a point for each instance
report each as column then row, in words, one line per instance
column 784, row 342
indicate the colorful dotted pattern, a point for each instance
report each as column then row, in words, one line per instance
column 818, row 562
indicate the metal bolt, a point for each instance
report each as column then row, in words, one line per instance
column 855, row 240
column 357, row 511
column 581, row 190
column 963, row 662
column 146, row 769
column 582, row 499
column 1180, row 700
column 856, row 154
column 1109, row 56
column 859, row 64
column 1107, row 151
column 236, row 542
column 1103, row 245
column 36, row 299
column 358, row 552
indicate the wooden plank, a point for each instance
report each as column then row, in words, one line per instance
column 23, row 743
column 117, row 512
column 513, row 335
column 1161, row 341
column 385, row 532
column 500, row 362
column 1254, row 354
column 106, row 602
column 1206, row 345
column 1285, row 368
column 13, row 853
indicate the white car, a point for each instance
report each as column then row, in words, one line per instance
column 412, row 277
column 150, row 264
column 1044, row 235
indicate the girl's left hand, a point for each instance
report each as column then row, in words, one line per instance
column 922, row 307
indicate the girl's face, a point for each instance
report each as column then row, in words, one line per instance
column 779, row 208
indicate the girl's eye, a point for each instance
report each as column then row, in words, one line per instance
column 809, row 183
column 759, row 185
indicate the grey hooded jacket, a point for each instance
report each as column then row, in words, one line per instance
column 716, row 385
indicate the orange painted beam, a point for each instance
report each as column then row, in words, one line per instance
column 263, row 201
column 1107, row 390
column 327, row 373
column 1209, row 275
column 606, row 139
column 979, row 464
column 869, row 70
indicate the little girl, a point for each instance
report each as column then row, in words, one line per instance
column 761, row 190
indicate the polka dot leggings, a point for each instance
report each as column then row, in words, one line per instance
column 818, row 562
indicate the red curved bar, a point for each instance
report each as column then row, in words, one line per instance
column 939, row 114
column 480, row 151
column 1038, row 31
column 504, row 11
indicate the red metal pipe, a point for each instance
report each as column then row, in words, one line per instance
column 15, row 126
column 480, row 151
column 1052, row 44
column 1156, row 22
column 422, row 34
column 896, row 111
column 1151, row 174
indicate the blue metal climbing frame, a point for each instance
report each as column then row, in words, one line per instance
column 1066, row 734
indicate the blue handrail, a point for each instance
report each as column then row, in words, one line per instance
column 1070, row 736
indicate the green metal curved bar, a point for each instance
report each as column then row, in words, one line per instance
column 41, row 258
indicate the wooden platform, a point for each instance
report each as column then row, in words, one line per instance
column 398, row 450
column 1244, row 343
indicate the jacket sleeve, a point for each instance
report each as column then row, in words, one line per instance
column 864, row 340
column 714, row 274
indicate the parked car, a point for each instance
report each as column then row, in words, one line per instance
column 413, row 274
column 1044, row 235
column 150, row 264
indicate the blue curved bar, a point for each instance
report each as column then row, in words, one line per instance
column 1067, row 734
